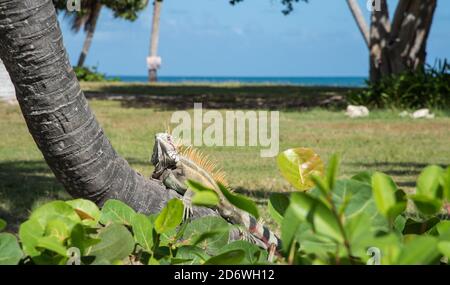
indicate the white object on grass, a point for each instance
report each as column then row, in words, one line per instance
column 422, row 114
column 357, row 111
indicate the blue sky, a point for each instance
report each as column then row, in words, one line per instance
column 213, row 38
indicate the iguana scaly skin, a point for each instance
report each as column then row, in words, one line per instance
column 175, row 165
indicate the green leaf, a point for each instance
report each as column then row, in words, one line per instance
column 2, row 224
column 355, row 197
column 427, row 205
column 289, row 228
column 389, row 246
column 116, row 244
column 203, row 196
column 446, row 183
column 400, row 224
column 317, row 214
column 53, row 244
column 278, row 204
column 364, row 177
column 421, row 250
column 170, row 217
column 428, row 183
column 321, row 184
column 209, row 233
column 297, row 165
column 143, row 232
column 443, row 230
column 86, row 210
column 444, row 248
column 419, row 227
column 240, row 201
column 57, row 210
column 253, row 253
column 29, row 234
column 384, row 190
column 359, row 233
column 115, row 211
column 332, row 171
column 10, row 252
column 232, row 257
column 83, row 238
column 57, row 229
column 192, row 255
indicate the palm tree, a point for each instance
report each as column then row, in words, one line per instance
column 58, row 115
column 88, row 17
column 89, row 21
column 153, row 61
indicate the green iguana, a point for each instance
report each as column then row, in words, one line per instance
column 174, row 165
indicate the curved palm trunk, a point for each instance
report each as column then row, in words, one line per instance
column 58, row 116
column 153, row 64
column 90, row 34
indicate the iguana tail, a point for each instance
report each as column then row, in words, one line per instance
column 258, row 230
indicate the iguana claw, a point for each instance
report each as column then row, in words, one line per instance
column 187, row 211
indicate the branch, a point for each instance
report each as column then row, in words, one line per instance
column 360, row 21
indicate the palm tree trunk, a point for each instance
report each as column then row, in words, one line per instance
column 58, row 115
column 360, row 21
column 90, row 34
column 154, row 41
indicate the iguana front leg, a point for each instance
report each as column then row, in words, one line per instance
column 172, row 179
column 187, row 202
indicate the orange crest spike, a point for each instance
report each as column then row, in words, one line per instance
column 203, row 161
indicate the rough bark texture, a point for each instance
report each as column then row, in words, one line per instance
column 400, row 46
column 380, row 29
column 58, row 116
column 154, row 38
column 90, row 33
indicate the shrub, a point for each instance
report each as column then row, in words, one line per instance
column 91, row 74
column 429, row 88
column 361, row 220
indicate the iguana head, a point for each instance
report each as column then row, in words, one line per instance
column 165, row 154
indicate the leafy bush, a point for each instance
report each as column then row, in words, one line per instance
column 429, row 88
column 361, row 220
column 91, row 74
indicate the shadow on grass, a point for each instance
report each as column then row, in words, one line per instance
column 269, row 97
column 22, row 185
column 398, row 170
column 261, row 195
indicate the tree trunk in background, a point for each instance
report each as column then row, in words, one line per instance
column 90, row 34
column 380, row 28
column 400, row 46
column 409, row 36
column 360, row 21
column 154, row 41
column 58, row 116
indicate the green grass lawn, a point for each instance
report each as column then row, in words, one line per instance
column 400, row 147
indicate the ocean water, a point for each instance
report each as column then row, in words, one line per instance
column 305, row 81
